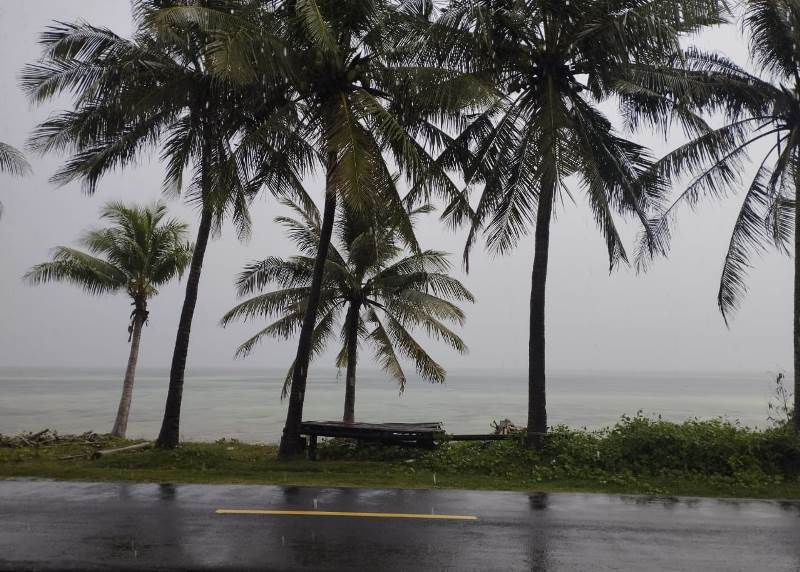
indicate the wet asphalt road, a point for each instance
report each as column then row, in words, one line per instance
column 86, row 526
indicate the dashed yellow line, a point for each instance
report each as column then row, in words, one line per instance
column 250, row 511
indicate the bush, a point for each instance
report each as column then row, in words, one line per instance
column 635, row 448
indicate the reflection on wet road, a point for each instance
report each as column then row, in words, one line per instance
column 52, row 525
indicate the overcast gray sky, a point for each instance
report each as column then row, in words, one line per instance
column 664, row 320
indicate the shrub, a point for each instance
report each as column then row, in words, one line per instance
column 634, row 448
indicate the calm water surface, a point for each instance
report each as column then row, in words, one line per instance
column 246, row 405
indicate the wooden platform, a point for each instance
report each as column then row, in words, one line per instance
column 410, row 434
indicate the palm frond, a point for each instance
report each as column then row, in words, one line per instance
column 266, row 305
column 94, row 275
column 139, row 251
column 402, row 339
column 749, row 235
column 12, row 161
column 317, row 27
column 384, row 350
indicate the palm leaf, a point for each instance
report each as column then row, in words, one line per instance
column 748, row 237
column 12, row 161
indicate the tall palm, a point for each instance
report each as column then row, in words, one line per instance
column 382, row 293
column 556, row 61
column 155, row 90
column 360, row 100
column 139, row 252
column 12, row 162
column 756, row 110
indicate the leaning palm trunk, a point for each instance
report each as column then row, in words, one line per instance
column 124, row 409
column 537, row 405
column 170, row 427
column 352, row 357
column 290, row 441
column 796, row 413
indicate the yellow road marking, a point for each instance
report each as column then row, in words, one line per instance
column 337, row 513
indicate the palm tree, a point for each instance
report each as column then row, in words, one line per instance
column 360, row 97
column 383, row 294
column 13, row 162
column 157, row 89
column 556, row 61
column 755, row 110
column 138, row 253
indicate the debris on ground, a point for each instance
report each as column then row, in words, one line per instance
column 505, row 427
column 50, row 437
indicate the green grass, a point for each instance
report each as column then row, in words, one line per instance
column 638, row 456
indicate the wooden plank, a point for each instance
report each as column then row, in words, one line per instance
column 104, row 452
column 374, row 426
column 407, row 434
column 361, row 431
column 488, row 437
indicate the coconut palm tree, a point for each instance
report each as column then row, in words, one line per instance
column 158, row 90
column 382, row 293
column 139, row 252
column 556, row 61
column 758, row 111
column 12, row 162
column 361, row 97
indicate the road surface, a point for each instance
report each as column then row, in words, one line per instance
column 48, row 525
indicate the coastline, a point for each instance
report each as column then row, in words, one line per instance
column 246, row 405
column 640, row 456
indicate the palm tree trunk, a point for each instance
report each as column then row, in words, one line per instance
column 796, row 413
column 124, row 409
column 537, row 403
column 351, row 325
column 170, row 426
column 290, row 440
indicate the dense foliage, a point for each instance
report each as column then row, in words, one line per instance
column 634, row 451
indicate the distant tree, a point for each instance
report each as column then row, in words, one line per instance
column 382, row 293
column 757, row 112
column 13, row 162
column 556, row 62
column 138, row 253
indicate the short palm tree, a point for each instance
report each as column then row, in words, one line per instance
column 556, row 61
column 382, row 293
column 158, row 90
column 138, row 253
column 12, row 162
column 757, row 111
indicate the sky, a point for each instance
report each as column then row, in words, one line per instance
column 664, row 320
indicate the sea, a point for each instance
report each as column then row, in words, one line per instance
column 245, row 404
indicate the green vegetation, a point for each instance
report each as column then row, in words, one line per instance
column 638, row 455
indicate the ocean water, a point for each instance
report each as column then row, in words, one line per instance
column 246, row 404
